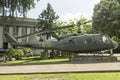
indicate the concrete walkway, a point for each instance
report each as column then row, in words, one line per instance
column 60, row 68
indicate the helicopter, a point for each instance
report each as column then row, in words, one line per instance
column 77, row 43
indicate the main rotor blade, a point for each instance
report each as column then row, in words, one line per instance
column 87, row 22
column 52, row 29
column 45, row 31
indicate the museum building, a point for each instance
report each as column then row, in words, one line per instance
column 19, row 27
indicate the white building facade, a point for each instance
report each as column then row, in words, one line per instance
column 18, row 27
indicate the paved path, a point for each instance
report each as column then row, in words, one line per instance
column 59, row 68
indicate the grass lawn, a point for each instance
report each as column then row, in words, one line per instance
column 34, row 60
column 65, row 76
column 37, row 60
column 62, row 76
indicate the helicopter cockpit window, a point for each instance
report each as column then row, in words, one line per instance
column 105, row 39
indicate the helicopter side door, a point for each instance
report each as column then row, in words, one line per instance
column 85, row 43
column 66, row 44
column 99, row 42
column 89, row 42
column 79, row 43
column 69, row 45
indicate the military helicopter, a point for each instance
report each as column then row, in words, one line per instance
column 77, row 43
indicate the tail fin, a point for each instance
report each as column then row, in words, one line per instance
column 10, row 39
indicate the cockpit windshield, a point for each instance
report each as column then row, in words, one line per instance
column 105, row 38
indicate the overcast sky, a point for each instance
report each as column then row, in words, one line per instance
column 66, row 9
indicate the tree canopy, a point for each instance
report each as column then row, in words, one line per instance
column 84, row 28
column 47, row 19
column 106, row 17
column 15, row 7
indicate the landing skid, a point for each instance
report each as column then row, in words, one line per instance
column 93, row 58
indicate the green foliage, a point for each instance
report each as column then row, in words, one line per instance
column 84, row 28
column 66, row 30
column 9, row 9
column 19, row 53
column 64, row 76
column 116, row 39
column 15, row 7
column 87, row 28
column 106, row 17
column 26, row 51
column 11, row 52
column 47, row 19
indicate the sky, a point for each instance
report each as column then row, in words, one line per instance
column 66, row 9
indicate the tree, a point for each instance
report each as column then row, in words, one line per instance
column 47, row 19
column 106, row 17
column 66, row 31
column 84, row 28
column 15, row 7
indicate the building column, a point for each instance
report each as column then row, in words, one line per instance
column 19, row 33
column 11, row 30
column 28, row 32
column 1, row 37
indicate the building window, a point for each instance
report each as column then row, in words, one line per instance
column 24, row 31
column 32, row 30
column 15, row 31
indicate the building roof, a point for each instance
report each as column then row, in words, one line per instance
column 19, row 22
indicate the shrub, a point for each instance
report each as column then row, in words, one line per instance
column 27, row 51
column 19, row 54
column 10, row 53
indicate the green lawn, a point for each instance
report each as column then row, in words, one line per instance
column 65, row 76
column 34, row 60
column 37, row 60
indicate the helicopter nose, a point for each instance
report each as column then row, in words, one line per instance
column 115, row 44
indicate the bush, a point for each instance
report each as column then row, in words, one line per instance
column 27, row 52
column 10, row 53
column 19, row 54
column 116, row 39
